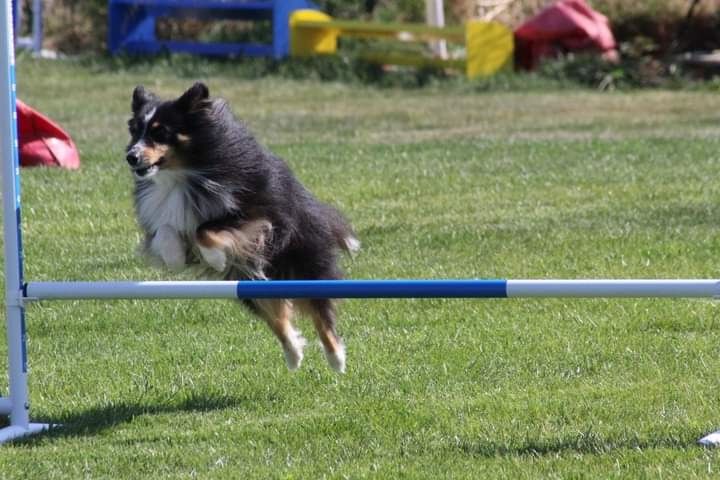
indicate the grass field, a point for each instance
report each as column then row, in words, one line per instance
column 440, row 184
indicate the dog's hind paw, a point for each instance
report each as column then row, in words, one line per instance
column 336, row 359
column 294, row 350
column 352, row 244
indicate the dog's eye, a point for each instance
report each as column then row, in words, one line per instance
column 160, row 134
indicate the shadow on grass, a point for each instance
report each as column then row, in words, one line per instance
column 95, row 420
column 593, row 445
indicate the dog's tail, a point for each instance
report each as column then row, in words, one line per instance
column 342, row 231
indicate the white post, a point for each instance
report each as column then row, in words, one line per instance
column 37, row 28
column 17, row 403
column 435, row 15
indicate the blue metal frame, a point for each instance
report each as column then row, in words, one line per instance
column 132, row 25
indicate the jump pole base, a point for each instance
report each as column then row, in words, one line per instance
column 710, row 440
column 8, row 434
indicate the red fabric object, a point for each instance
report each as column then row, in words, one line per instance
column 43, row 142
column 565, row 26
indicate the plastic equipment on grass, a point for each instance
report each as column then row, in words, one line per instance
column 565, row 26
column 488, row 45
column 43, row 142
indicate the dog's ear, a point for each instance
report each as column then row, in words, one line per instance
column 194, row 97
column 140, row 97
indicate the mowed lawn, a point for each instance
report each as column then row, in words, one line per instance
column 441, row 182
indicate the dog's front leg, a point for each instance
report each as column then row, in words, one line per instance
column 167, row 244
column 215, row 257
column 244, row 242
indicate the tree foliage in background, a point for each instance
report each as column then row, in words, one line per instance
column 73, row 27
column 380, row 10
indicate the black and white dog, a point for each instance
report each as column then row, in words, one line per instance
column 208, row 194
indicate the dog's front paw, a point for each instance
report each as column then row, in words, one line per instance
column 215, row 257
column 167, row 245
column 174, row 260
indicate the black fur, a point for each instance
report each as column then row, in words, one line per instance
column 231, row 179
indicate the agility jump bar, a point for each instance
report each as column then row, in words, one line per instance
column 373, row 289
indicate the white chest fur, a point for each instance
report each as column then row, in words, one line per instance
column 165, row 201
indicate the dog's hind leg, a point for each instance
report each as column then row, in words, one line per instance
column 278, row 313
column 322, row 311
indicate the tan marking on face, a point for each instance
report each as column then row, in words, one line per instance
column 182, row 138
column 153, row 154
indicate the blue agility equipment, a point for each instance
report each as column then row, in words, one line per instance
column 132, row 25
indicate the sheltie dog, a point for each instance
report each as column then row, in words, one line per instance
column 207, row 194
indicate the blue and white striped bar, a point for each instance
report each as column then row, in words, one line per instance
column 374, row 289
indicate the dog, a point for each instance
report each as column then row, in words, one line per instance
column 208, row 195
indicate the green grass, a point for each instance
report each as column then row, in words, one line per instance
column 440, row 183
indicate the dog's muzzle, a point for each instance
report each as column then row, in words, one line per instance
column 132, row 159
column 138, row 165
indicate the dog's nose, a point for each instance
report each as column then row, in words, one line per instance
column 132, row 159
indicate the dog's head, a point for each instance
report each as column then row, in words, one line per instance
column 161, row 131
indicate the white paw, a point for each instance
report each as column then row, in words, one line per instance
column 294, row 350
column 216, row 258
column 167, row 245
column 337, row 359
column 352, row 244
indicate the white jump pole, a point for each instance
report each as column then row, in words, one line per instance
column 37, row 27
column 375, row 289
column 17, row 404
